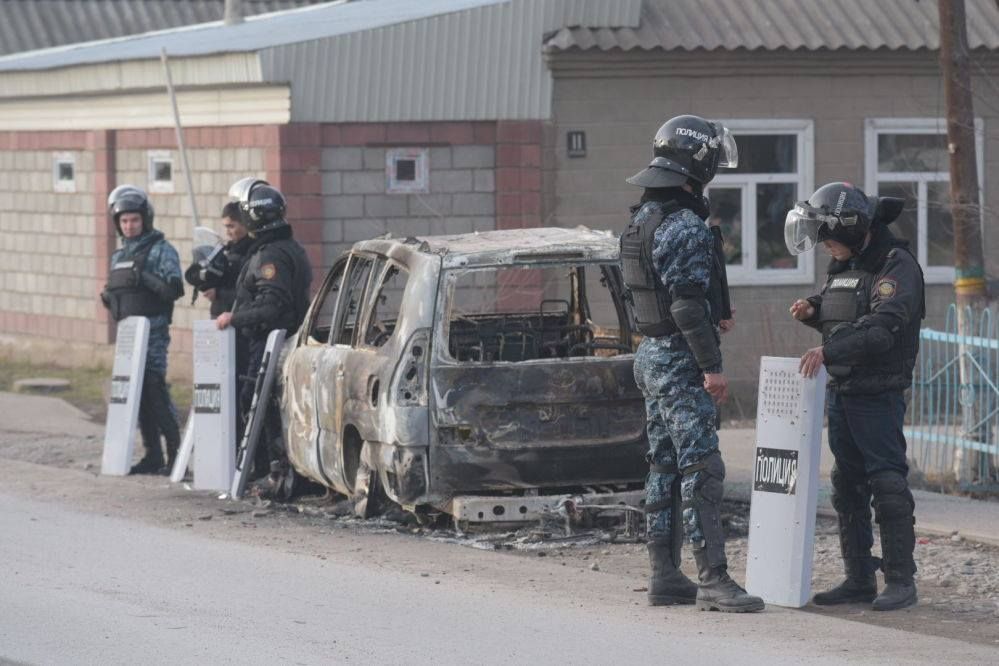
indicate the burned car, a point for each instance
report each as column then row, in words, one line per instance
column 483, row 375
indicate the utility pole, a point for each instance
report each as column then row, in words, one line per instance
column 969, row 283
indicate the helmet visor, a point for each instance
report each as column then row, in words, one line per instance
column 805, row 227
column 728, row 157
column 240, row 190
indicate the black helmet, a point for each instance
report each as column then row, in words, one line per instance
column 130, row 199
column 261, row 206
column 688, row 148
column 836, row 211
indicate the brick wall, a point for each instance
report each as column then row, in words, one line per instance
column 47, row 241
column 462, row 182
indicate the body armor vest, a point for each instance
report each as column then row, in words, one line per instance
column 845, row 299
column 650, row 298
column 128, row 297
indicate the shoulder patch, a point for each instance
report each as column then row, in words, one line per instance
column 886, row 288
column 268, row 271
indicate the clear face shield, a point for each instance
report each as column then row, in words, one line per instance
column 805, row 227
column 240, row 190
column 728, row 157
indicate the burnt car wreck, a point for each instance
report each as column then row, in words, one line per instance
column 487, row 376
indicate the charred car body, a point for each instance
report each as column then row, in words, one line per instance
column 484, row 375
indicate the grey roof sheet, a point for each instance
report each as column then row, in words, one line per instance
column 27, row 25
column 784, row 24
column 256, row 33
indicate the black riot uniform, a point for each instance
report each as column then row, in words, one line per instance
column 235, row 254
column 272, row 292
column 869, row 314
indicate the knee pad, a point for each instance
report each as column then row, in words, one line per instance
column 849, row 495
column 703, row 486
column 892, row 498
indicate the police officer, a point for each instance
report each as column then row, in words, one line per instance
column 869, row 314
column 272, row 292
column 673, row 270
column 145, row 281
column 220, row 289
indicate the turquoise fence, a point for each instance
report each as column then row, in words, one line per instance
column 948, row 414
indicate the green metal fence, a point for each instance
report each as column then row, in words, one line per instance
column 953, row 429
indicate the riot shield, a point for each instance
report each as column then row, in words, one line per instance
column 785, row 482
column 214, row 406
column 127, row 373
column 257, row 412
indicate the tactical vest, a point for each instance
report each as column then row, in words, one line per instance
column 650, row 299
column 845, row 299
column 128, row 297
column 246, row 283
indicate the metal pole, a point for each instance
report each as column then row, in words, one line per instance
column 180, row 136
column 969, row 284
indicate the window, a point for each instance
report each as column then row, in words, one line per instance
column 530, row 312
column 386, row 307
column 352, row 299
column 406, row 170
column 907, row 158
column 322, row 316
column 160, row 171
column 64, row 172
column 751, row 201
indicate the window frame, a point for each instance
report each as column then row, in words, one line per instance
column 313, row 317
column 747, row 273
column 873, row 128
column 384, row 264
column 59, row 185
column 421, row 183
column 161, row 186
column 338, row 320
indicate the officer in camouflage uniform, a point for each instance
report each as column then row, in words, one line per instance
column 674, row 272
column 869, row 313
column 144, row 281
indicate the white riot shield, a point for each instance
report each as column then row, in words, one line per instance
column 785, row 483
column 257, row 413
column 184, row 453
column 126, row 390
column 214, row 406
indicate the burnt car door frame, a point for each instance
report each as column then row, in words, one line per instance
column 302, row 374
column 332, row 396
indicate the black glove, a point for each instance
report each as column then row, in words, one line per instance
column 165, row 290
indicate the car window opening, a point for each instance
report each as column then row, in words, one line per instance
column 525, row 313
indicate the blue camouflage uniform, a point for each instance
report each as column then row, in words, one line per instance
column 162, row 261
column 681, row 414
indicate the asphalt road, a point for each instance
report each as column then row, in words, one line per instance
column 84, row 588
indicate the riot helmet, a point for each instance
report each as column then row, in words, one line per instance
column 262, row 207
column 688, row 149
column 836, row 211
column 130, row 199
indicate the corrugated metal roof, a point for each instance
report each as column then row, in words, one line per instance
column 28, row 25
column 254, row 34
column 784, row 24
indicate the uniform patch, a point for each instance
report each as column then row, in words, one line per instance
column 268, row 271
column 886, row 288
column 844, row 283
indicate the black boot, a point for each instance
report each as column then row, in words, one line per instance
column 152, row 461
column 860, row 586
column 718, row 591
column 667, row 584
column 166, row 418
column 898, row 540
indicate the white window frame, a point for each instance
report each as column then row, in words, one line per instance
column 421, row 184
column 747, row 273
column 874, row 127
column 59, row 185
column 152, row 157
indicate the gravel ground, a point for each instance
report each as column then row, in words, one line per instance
column 958, row 580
